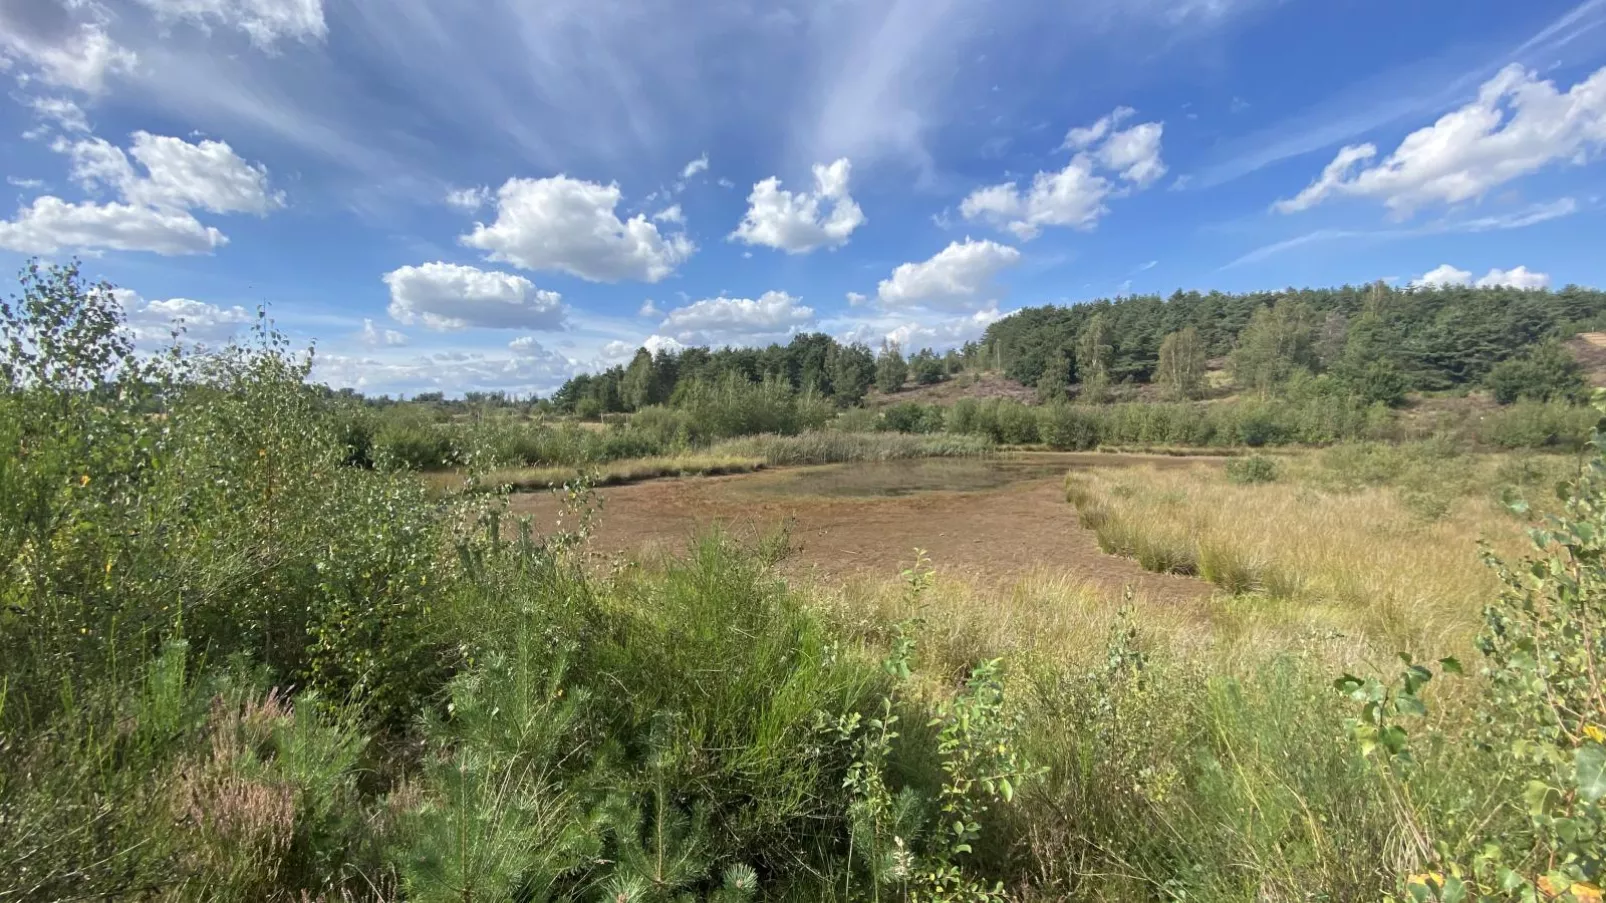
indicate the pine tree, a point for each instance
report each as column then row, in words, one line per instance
column 853, row 371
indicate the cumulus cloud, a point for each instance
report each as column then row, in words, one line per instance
column 857, row 299
column 670, row 214
column 51, row 224
column 649, row 309
column 265, row 22
column 620, row 352
column 955, row 278
column 468, row 199
column 794, row 222
column 694, row 167
column 1107, row 164
column 569, row 225
column 179, row 175
column 79, row 56
column 447, row 296
column 155, row 323
column 1518, row 277
column 939, row 333
column 1516, row 126
column 738, row 321
column 154, row 211
column 374, row 336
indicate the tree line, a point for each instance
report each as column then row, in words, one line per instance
column 1375, row 342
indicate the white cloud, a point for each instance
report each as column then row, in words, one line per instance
column 569, row 225
column 1518, row 125
column 264, row 21
column 82, row 59
column 469, row 199
column 620, row 352
column 1076, row 195
column 694, row 167
column 179, row 175
column 1135, row 154
column 1518, row 277
column 955, row 278
column 375, row 337
column 670, row 214
column 1443, row 275
column 153, row 323
column 20, row 182
column 857, row 299
column 793, row 221
column 1528, row 216
column 1084, row 137
column 154, row 214
column 1073, row 197
column 927, row 332
column 61, row 111
column 649, row 309
column 737, row 321
column 1148, row 266
column 527, row 367
column 51, row 224
column 446, row 296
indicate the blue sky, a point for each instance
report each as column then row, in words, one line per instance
column 495, row 194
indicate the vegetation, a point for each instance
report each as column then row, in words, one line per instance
column 249, row 656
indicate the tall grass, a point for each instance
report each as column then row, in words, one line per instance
column 831, row 447
column 1360, row 538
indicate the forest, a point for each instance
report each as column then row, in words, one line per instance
column 1374, row 342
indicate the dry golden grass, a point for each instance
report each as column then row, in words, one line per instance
column 1367, row 563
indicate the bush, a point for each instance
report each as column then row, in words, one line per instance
column 1253, row 469
column 1545, row 372
column 409, row 437
column 1068, row 427
column 1533, row 424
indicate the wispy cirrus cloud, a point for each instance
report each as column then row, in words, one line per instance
column 1528, row 216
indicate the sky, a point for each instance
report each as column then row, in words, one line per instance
column 472, row 195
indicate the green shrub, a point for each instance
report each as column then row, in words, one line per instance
column 1068, row 427
column 1253, row 469
column 1545, row 372
column 410, row 437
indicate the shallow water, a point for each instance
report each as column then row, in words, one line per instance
column 890, row 479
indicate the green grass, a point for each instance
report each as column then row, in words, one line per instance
column 834, row 447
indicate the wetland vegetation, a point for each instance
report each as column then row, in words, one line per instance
column 251, row 655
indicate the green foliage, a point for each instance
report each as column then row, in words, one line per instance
column 891, row 371
column 926, row 368
column 853, row 371
column 1279, row 341
column 1253, row 469
column 1540, row 731
column 1544, row 372
column 1095, row 357
column 1181, row 367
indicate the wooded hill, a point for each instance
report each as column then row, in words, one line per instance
column 1374, row 341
